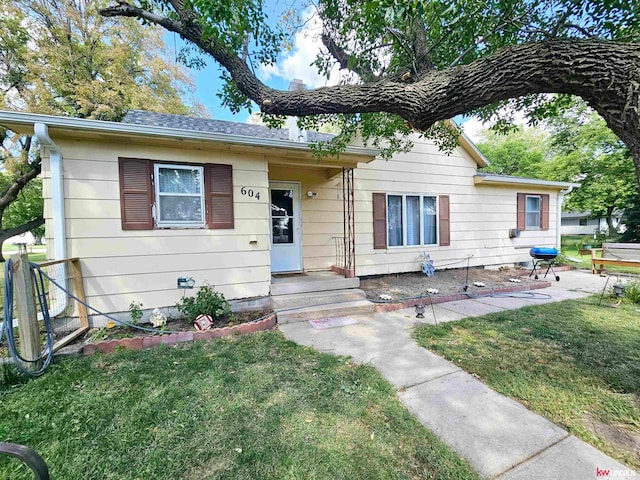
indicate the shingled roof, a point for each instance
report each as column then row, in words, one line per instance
column 183, row 122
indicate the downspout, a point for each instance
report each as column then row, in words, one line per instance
column 561, row 195
column 41, row 131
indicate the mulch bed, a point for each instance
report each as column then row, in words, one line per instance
column 405, row 286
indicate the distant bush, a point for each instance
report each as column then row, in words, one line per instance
column 632, row 292
column 207, row 301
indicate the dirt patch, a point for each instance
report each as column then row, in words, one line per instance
column 404, row 286
column 617, row 435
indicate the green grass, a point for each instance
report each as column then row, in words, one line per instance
column 248, row 407
column 10, row 248
column 573, row 362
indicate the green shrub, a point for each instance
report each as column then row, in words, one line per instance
column 207, row 301
column 135, row 310
column 632, row 292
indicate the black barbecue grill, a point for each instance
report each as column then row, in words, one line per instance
column 541, row 257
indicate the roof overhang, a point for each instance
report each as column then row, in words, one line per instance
column 470, row 147
column 68, row 127
column 489, row 179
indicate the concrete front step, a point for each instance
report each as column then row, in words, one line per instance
column 358, row 307
column 312, row 283
column 310, row 299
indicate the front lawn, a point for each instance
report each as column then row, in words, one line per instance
column 573, row 362
column 248, row 407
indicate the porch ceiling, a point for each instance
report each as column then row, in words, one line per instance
column 332, row 164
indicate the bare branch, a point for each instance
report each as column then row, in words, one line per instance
column 10, row 193
column 342, row 57
column 128, row 10
column 19, row 230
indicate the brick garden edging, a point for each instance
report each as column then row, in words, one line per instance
column 435, row 299
column 140, row 343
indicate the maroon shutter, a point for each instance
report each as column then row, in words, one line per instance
column 444, row 222
column 379, row 220
column 521, row 211
column 544, row 212
column 136, row 194
column 219, row 188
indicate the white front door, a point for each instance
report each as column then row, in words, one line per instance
column 286, row 240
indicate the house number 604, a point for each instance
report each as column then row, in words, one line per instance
column 248, row 192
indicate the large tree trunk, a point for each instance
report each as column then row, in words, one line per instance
column 609, row 217
column 606, row 74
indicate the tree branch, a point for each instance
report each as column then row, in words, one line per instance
column 19, row 230
column 190, row 30
column 606, row 74
column 342, row 57
column 12, row 191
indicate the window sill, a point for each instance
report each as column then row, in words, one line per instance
column 407, row 247
column 180, row 227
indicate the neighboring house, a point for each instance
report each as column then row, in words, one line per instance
column 582, row 223
column 163, row 196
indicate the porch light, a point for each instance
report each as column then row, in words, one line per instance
column 311, row 194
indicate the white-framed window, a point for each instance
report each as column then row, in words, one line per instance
column 179, row 191
column 411, row 220
column 533, row 209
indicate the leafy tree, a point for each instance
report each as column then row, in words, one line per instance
column 409, row 64
column 522, row 152
column 61, row 57
column 631, row 220
column 585, row 150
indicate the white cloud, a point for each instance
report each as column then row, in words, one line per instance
column 298, row 62
column 472, row 128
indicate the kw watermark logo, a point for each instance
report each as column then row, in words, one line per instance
column 609, row 473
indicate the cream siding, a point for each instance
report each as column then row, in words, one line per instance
column 143, row 265
column 481, row 216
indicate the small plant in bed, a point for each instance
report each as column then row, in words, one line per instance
column 135, row 310
column 208, row 302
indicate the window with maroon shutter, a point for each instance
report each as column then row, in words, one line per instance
column 409, row 220
column 521, row 211
column 532, row 211
column 544, row 214
column 219, row 186
column 136, row 194
column 445, row 228
column 178, row 194
column 379, row 220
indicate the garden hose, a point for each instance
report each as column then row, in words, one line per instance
column 44, row 359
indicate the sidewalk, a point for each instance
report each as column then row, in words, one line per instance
column 498, row 436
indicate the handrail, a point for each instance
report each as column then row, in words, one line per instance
column 29, row 457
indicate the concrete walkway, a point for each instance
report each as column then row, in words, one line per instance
column 498, row 436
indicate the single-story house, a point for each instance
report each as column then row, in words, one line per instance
column 157, row 197
column 584, row 223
